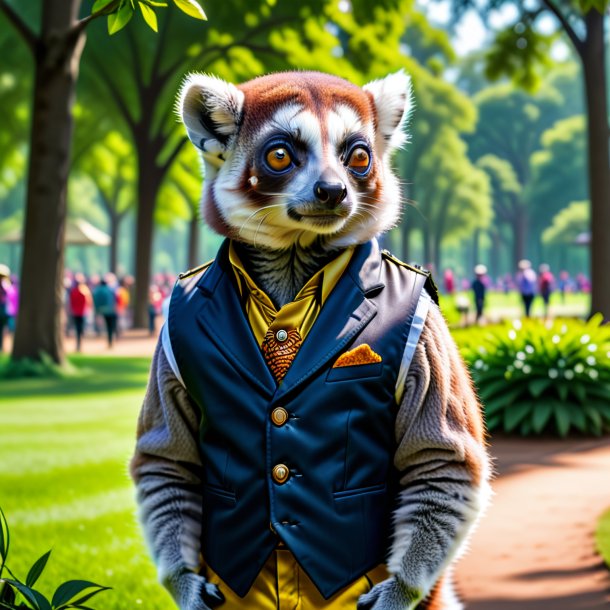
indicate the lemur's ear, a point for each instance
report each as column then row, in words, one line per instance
column 211, row 110
column 392, row 98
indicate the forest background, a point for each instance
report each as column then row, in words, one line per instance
column 496, row 168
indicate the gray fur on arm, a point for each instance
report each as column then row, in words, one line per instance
column 444, row 473
column 167, row 470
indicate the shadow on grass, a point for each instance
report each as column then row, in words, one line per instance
column 95, row 374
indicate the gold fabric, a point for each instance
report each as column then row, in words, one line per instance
column 300, row 313
column 283, row 585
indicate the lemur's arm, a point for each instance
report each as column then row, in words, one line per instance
column 167, row 469
column 444, row 470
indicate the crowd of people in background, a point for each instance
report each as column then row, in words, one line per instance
column 93, row 305
column 101, row 304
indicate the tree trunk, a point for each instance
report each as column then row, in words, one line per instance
column 149, row 180
column 519, row 235
column 476, row 254
column 599, row 161
column 57, row 57
column 114, row 242
column 193, row 247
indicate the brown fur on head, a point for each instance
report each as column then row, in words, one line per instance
column 293, row 156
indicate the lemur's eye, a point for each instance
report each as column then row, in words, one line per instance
column 278, row 159
column 359, row 160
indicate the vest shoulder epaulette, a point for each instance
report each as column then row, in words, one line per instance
column 194, row 270
column 430, row 285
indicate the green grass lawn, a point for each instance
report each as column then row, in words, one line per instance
column 65, row 445
column 602, row 537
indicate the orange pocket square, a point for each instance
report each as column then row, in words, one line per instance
column 363, row 354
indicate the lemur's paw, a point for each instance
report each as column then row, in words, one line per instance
column 194, row 592
column 389, row 595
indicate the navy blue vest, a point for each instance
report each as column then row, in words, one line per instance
column 338, row 443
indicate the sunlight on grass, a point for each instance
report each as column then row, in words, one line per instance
column 65, row 445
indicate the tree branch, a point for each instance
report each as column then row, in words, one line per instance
column 174, row 154
column 19, row 24
column 115, row 94
column 81, row 24
column 565, row 24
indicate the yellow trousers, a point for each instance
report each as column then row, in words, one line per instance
column 283, row 585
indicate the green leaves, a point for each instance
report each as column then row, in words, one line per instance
column 117, row 21
column 191, row 8
column 149, row 16
column 66, row 594
column 4, row 540
column 36, row 570
column 120, row 12
column 71, row 594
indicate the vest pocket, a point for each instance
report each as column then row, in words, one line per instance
column 356, row 371
column 359, row 491
column 220, row 492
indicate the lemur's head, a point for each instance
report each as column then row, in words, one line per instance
column 295, row 155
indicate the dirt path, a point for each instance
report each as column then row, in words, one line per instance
column 534, row 550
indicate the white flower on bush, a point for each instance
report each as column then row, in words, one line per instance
column 579, row 368
column 569, row 374
column 553, row 373
column 556, row 339
column 593, row 374
column 592, row 347
column 527, row 369
column 561, row 363
column 585, row 339
column 520, row 355
column 512, row 335
column 517, row 324
column 591, row 360
column 518, row 364
column 478, row 364
column 529, row 349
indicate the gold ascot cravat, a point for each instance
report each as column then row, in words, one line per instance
column 281, row 333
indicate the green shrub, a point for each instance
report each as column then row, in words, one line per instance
column 19, row 595
column 535, row 378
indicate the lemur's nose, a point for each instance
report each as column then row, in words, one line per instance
column 330, row 193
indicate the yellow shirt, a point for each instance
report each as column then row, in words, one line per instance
column 299, row 314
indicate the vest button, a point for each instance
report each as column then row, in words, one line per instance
column 281, row 335
column 279, row 416
column 280, row 473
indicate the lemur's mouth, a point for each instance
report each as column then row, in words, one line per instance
column 324, row 216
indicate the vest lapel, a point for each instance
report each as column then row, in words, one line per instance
column 345, row 314
column 223, row 320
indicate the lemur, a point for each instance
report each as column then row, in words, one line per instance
column 367, row 449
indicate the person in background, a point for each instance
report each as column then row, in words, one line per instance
column 155, row 299
column 12, row 303
column 80, row 301
column 479, row 289
column 104, row 300
column 526, row 282
column 449, row 281
column 546, row 283
column 5, row 289
column 122, row 298
column 564, row 284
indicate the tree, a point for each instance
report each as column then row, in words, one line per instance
column 56, row 44
column 568, row 224
column 179, row 200
column 109, row 165
column 508, row 203
column 519, row 51
column 559, row 173
column 511, row 122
